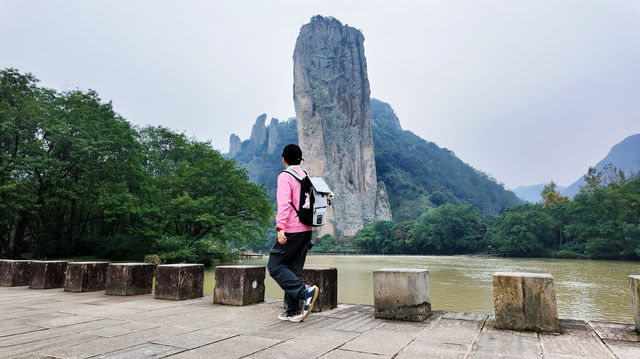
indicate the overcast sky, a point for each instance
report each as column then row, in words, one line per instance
column 527, row 91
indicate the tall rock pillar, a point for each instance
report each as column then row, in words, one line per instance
column 332, row 102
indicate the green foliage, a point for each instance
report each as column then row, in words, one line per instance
column 551, row 197
column 76, row 179
column 600, row 222
column 419, row 175
column 153, row 259
column 449, row 229
column 523, row 231
column 376, row 237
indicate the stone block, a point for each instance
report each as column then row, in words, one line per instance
column 85, row 276
column 47, row 274
column 634, row 288
column 400, row 293
column 15, row 273
column 326, row 279
column 239, row 285
column 129, row 278
column 525, row 301
column 179, row 281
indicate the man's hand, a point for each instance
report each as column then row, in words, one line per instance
column 282, row 239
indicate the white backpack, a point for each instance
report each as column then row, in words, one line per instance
column 315, row 197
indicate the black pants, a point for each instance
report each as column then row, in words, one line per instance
column 285, row 266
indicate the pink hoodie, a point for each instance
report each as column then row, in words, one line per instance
column 289, row 192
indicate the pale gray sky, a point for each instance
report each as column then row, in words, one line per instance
column 527, row 91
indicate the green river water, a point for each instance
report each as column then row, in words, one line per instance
column 585, row 289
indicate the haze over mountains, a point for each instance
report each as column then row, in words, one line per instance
column 624, row 156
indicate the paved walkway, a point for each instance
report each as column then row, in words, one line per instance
column 55, row 324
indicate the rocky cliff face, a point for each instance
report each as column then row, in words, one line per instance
column 332, row 102
column 235, row 145
column 258, row 132
column 272, row 145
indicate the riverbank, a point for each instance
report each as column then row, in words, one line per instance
column 58, row 324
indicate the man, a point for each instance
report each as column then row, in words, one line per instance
column 286, row 258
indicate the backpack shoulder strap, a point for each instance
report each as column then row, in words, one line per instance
column 293, row 173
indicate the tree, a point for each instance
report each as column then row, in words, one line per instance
column 522, row 231
column 197, row 199
column 376, row 237
column 600, row 178
column 551, row 197
column 449, row 229
column 77, row 179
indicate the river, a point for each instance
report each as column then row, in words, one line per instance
column 585, row 289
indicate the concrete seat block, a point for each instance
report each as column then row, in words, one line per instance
column 239, row 285
column 85, row 276
column 14, row 273
column 47, row 274
column 634, row 288
column 326, row 279
column 179, row 281
column 400, row 293
column 525, row 301
column 129, row 278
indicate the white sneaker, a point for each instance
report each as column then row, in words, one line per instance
column 291, row 317
column 309, row 298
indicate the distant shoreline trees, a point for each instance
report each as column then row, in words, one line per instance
column 601, row 222
column 76, row 179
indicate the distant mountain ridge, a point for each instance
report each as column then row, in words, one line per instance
column 624, row 155
column 418, row 174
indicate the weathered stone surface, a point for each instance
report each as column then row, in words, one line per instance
column 92, row 325
column 235, row 144
column 47, row 274
column 85, row 276
column 634, row 289
column 525, row 301
column 129, row 278
column 258, row 132
column 326, row 279
column 272, row 144
column 400, row 293
column 383, row 207
column 332, row 103
column 239, row 285
column 179, row 281
column 15, row 273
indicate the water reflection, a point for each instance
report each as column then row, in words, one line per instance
column 585, row 289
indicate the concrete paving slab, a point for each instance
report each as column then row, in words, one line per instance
column 615, row 331
column 434, row 351
column 624, row 350
column 347, row 354
column 236, row 347
column 452, row 331
column 37, row 348
column 123, row 329
column 382, row 340
column 577, row 340
column 104, row 345
column 301, row 347
column 493, row 343
column 197, row 328
column 466, row 316
column 9, row 330
column 198, row 338
column 143, row 351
